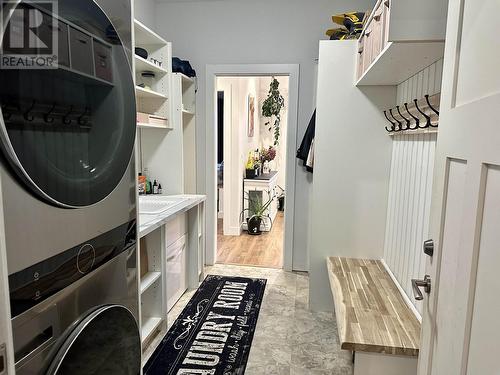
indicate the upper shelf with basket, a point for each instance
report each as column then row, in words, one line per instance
column 400, row 38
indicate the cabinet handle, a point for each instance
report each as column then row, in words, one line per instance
column 83, row 41
column 172, row 257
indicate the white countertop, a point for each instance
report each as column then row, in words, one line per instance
column 151, row 222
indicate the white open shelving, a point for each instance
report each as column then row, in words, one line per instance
column 143, row 64
column 166, row 153
column 149, row 326
column 149, row 279
column 145, row 36
column 141, row 92
column 398, row 61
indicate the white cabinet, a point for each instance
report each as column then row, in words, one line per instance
column 262, row 189
column 176, row 271
column 400, row 38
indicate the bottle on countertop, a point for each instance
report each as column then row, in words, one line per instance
column 155, row 187
column 160, row 190
column 149, row 189
column 141, row 184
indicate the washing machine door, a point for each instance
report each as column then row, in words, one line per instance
column 67, row 99
column 106, row 341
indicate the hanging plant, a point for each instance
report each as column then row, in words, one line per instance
column 272, row 106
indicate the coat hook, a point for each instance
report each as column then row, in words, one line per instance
column 65, row 120
column 417, row 120
column 47, row 117
column 427, row 117
column 82, row 120
column 393, row 124
column 432, row 108
column 407, row 120
column 28, row 116
column 400, row 127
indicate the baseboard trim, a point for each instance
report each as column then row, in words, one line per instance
column 403, row 293
column 232, row 231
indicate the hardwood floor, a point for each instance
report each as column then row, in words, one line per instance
column 265, row 250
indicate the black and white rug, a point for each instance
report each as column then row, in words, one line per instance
column 213, row 334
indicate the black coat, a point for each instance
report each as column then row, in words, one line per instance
column 305, row 146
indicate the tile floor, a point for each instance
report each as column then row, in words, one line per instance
column 289, row 339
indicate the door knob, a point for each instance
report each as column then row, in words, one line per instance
column 417, row 284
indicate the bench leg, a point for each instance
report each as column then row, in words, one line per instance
column 383, row 364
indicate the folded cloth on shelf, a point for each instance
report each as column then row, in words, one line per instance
column 306, row 150
column 182, row 66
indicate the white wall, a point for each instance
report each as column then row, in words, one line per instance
column 410, row 191
column 351, row 168
column 256, row 32
column 237, row 144
column 144, row 11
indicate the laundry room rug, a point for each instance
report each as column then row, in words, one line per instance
column 213, row 334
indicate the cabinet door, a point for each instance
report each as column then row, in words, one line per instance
column 368, row 50
column 361, row 56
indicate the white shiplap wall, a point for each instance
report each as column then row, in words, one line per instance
column 410, row 188
column 427, row 81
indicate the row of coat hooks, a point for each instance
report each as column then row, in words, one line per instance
column 419, row 119
column 36, row 113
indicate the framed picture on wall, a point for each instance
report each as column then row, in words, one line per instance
column 251, row 115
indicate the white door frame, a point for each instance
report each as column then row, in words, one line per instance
column 212, row 72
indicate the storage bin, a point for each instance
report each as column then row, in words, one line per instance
column 102, row 61
column 81, row 51
column 47, row 30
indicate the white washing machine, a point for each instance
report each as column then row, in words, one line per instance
column 67, row 134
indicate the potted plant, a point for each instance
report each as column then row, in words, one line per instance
column 272, row 106
column 257, row 213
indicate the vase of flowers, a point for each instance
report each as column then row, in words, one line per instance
column 267, row 155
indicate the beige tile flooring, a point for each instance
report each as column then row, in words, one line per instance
column 289, row 339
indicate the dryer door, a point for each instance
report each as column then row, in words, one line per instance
column 67, row 99
column 106, row 341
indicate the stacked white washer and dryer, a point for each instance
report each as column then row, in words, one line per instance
column 68, row 186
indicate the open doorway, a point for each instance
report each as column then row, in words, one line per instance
column 252, row 127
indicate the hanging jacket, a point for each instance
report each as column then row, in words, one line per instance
column 304, row 151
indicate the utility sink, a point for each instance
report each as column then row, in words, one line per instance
column 158, row 205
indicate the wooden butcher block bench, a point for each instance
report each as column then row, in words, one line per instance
column 373, row 319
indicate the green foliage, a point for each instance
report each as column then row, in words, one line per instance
column 272, row 106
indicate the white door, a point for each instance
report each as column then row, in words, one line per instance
column 461, row 323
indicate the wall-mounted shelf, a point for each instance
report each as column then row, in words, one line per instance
column 188, row 112
column 143, row 65
column 149, row 279
column 399, row 39
column 398, row 61
column 145, row 93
